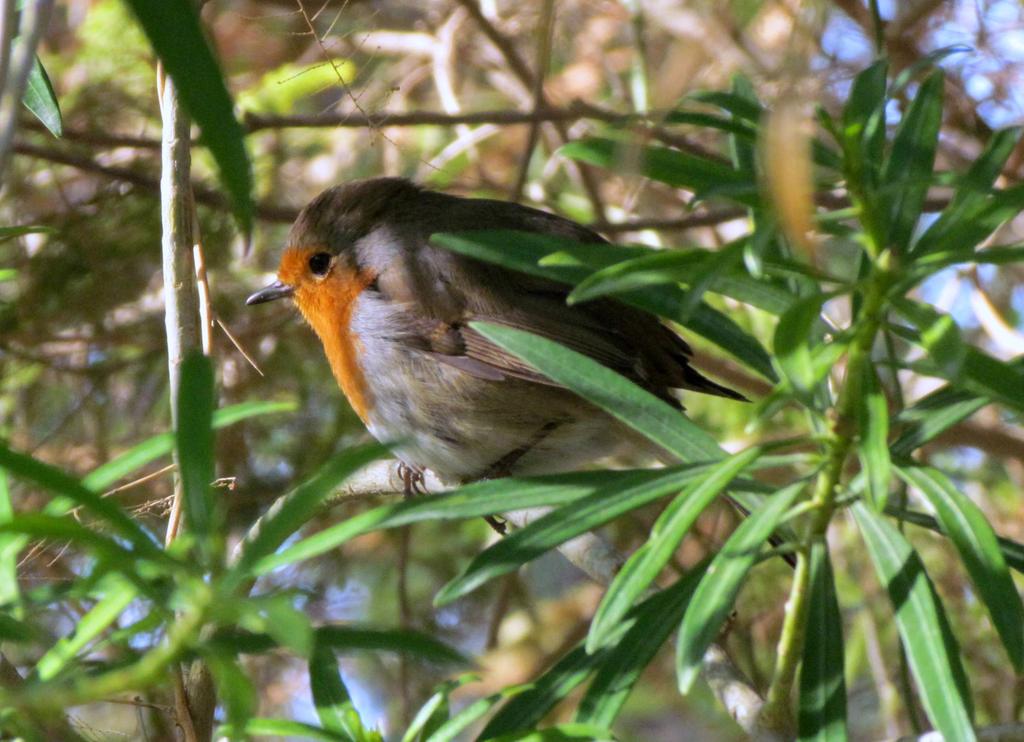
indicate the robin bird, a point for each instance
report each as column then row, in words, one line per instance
column 393, row 313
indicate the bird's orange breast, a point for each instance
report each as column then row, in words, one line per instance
column 327, row 305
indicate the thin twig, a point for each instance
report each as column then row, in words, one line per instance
column 545, row 34
column 34, row 18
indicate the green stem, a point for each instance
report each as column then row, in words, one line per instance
column 777, row 713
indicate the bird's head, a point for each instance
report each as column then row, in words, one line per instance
column 323, row 262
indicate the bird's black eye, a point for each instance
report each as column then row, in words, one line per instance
column 319, row 263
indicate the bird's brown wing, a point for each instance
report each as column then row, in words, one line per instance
column 451, row 291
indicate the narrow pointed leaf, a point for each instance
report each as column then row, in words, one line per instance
column 282, row 728
column 908, row 171
column 561, row 733
column 671, row 166
column 292, row 511
column 932, row 415
column 634, row 406
column 330, row 696
column 346, row 638
column 863, row 124
column 481, row 498
column 874, row 444
column 139, row 455
column 452, row 728
column 666, row 266
column 1012, row 551
column 10, row 546
column 536, row 255
column 57, row 482
column 117, row 595
column 932, row 652
column 174, row 30
column 621, row 666
column 974, row 189
column 646, row 563
column 194, row 438
column 40, row 99
column 793, row 337
column 966, row 526
column 235, row 691
column 720, row 585
column 529, row 707
column 559, row 526
column 822, row 714
column 738, row 103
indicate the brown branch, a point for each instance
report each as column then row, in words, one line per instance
column 203, row 194
column 512, row 58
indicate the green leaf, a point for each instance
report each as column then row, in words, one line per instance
column 980, row 374
column 974, row 189
column 966, row 526
column 330, row 696
column 738, row 103
column 13, row 630
column 646, row 563
column 57, row 482
column 908, row 172
column 932, row 415
column 560, row 733
column 1000, row 380
column 40, row 99
column 162, row 444
column 527, row 708
column 977, row 221
column 174, row 30
column 66, row 528
column 1013, row 551
column 793, row 337
column 650, row 269
column 568, row 261
column 346, row 638
column 940, row 335
column 278, row 728
column 473, row 500
column 863, row 125
column 676, row 168
column 926, row 62
column 634, row 406
column 873, row 447
column 9, row 233
column 620, row 667
column 291, row 512
column 289, row 626
column 717, row 592
column 452, row 728
column 932, row 652
column 560, row 525
column 235, row 691
column 434, row 713
column 743, row 146
column 822, row 714
column 194, row 438
column 734, row 126
column 117, row 594
column 10, row 546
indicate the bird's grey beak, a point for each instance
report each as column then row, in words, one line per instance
column 276, row 290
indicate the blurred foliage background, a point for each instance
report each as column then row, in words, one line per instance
column 436, row 90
